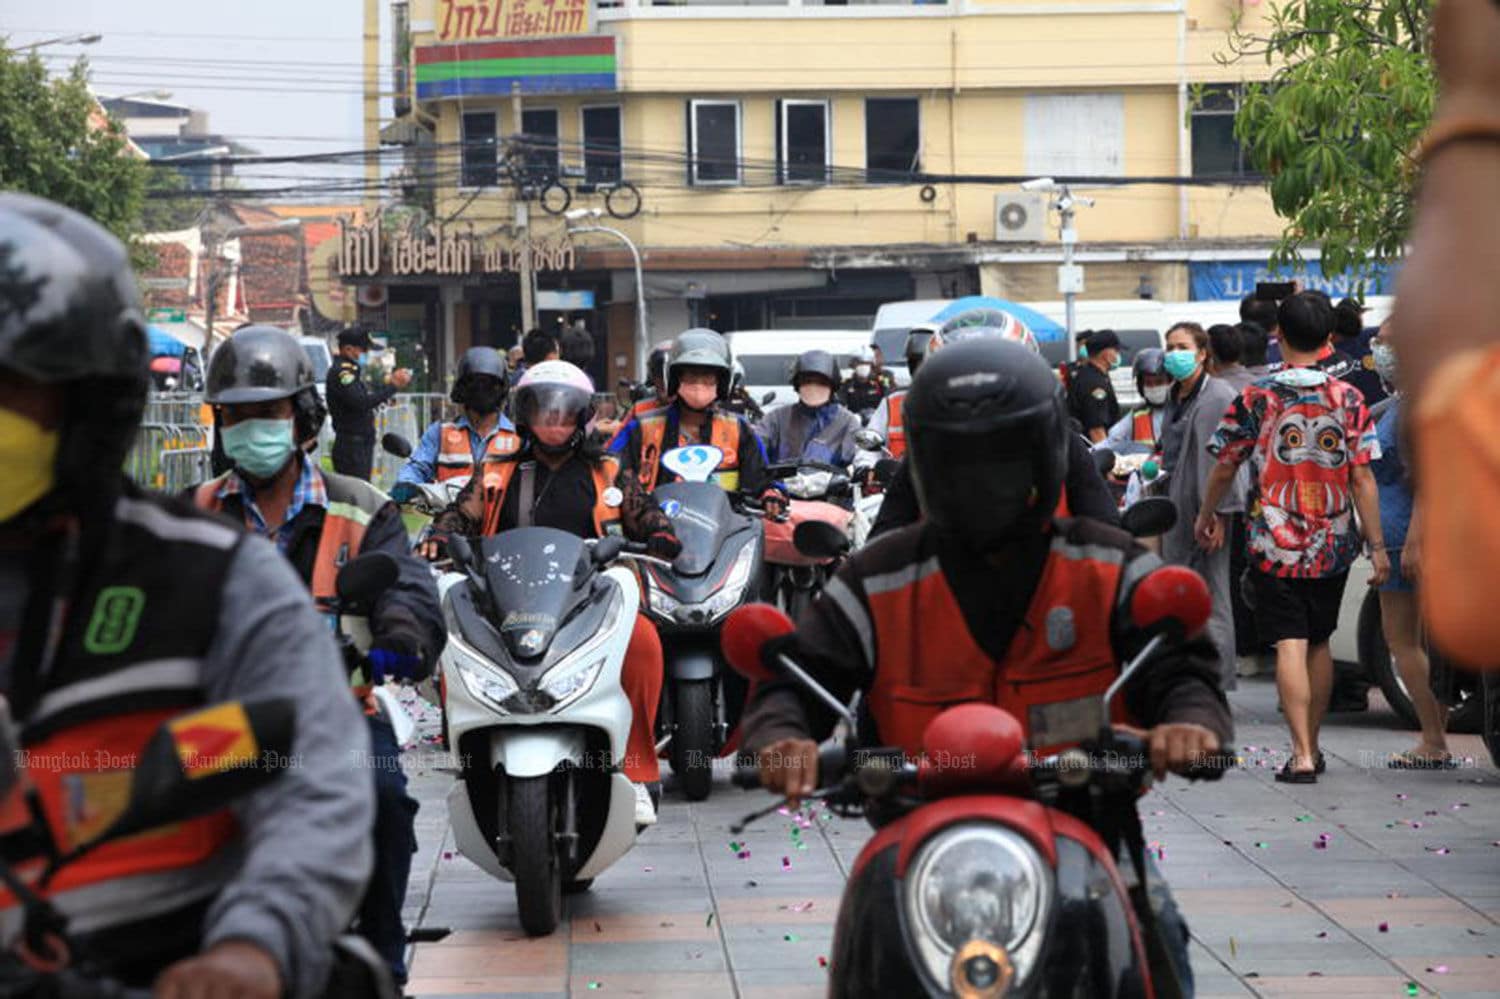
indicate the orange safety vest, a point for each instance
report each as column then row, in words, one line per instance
column 895, row 430
column 645, row 406
column 1059, row 662
column 1142, row 428
column 455, row 458
column 724, row 434
column 498, row 476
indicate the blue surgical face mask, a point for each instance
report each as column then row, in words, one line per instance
column 259, row 448
column 1181, row 363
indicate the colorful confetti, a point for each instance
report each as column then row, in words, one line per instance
column 595, row 985
column 447, row 855
column 710, row 920
column 822, row 961
column 1261, row 846
column 802, row 906
column 790, row 938
column 1442, row 850
column 1400, row 797
column 1411, row 988
column 597, row 927
column 786, row 863
column 1384, row 927
column 1439, row 969
column 1233, row 950
column 1323, row 935
column 648, row 870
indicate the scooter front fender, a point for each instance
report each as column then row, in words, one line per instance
column 535, row 750
column 692, row 663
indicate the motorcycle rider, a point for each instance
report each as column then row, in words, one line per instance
column 979, row 593
column 816, row 427
column 863, row 392
column 265, row 393
column 1143, row 426
column 563, row 481
column 739, row 400
column 886, row 420
column 697, row 380
column 128, row 609
column 449, row 450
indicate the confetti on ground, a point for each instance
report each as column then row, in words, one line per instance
column 1411, row 988
column 1438, row 849
column 710, row 920
column 822, row 961
column 792, row 938
column 1304, row 818
column 1233, row 950
column 1384, row 927
column 447, row 855
column 802, row 906
column 1439, row 969
column 1400, row 797
column 595, row 985
column 1261, row 846
column 1323, row 935
column 752, row 884
column 597, row 927
column 734, row 847
column 786, row 863
column 648, row 870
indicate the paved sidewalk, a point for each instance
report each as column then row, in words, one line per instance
column 1404, row 893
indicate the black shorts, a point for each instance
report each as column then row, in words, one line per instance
column 1288, row 607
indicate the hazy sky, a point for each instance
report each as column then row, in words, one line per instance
column 282, row 76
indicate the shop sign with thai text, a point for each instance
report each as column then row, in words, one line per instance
column 371, row 251
column 482, row 20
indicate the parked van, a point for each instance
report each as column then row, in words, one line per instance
column 893, row 321
column 768, row 355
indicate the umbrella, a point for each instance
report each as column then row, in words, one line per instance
column 1040, row 325
column 164, row 344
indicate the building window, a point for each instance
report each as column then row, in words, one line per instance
column 714, row 141
column 1216, row 152
column 480, row 167
column 601, row 145
column 539, row 126
column 802, row 142
column 893, row 139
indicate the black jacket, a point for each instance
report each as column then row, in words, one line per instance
column 351, row 401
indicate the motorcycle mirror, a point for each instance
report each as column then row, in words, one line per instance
column 397, row 445
column 606, row 550
column 198, row 763
column 869, row 440
column 1172, row 599
column 1149, row 517
column 1104, row 460
column 745, row 634
column 462, row 552
column 361, row 581
column 819, row 539
column 10, row 751
column 768, row 398
column 885, row 470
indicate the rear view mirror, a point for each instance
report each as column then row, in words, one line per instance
column 397, row 445
column 362, row 581
column 768, row 398
column 198, row 763
column 1149, row 517
column 1173, row 599
column 1104, row 461
column 746, row 632
column 869, row 440
column 819, row 539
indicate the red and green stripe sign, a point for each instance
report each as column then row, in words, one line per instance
column 540, row 66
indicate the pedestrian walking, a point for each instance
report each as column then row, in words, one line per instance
column 1310, row 441
column 352, row 403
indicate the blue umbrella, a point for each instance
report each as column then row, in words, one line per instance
column 1040, row 325
column 164, row 344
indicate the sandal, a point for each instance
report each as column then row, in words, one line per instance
column 1409, row 760
column 1320, row 765
column 1287, row 775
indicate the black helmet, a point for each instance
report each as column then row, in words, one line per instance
column 816, row 362
column 477, row 363
column 987, row 431
column 262, row 364
column 656, row 361
column 699, row 348
column 70, row 314
column 916, row 347
column 1150, row 361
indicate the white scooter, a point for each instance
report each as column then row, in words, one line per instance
column 538, row 623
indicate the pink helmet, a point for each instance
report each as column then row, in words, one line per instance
column 552, row 392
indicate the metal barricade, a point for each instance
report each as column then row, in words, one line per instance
column 397, row 417
column 174, row 446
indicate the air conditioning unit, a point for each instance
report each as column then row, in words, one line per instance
column 1020, row 217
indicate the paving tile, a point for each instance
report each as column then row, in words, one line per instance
column 602, row 958
column 688, row 985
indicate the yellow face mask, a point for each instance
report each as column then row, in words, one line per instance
column 28, row 460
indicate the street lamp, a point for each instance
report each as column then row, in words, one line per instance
column 578, row 215
column 87, row 39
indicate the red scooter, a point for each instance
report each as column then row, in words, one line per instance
column 999, row 868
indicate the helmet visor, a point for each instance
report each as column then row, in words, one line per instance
column 550, row 405
column 985, row 486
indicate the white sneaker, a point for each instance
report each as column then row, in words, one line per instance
column 645, row 811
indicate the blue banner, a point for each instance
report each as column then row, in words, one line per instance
column 1232, row 280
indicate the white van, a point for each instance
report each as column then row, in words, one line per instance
column 768, row 355
column 893, row 321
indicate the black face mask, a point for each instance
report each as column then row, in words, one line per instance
column 485, row 396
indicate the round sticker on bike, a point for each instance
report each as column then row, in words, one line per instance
column 671, row 508
column 693, row 464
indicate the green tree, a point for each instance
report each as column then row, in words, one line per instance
column 56, row 143
column 170, row 204
column 1335, row 127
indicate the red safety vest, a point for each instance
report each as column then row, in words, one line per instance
column 1059, row 662
column 455, row 457
column 498, row 476
column 724, row 434
column 895, row 430
column 1142, row 428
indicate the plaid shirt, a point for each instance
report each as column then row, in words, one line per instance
column 309, row 491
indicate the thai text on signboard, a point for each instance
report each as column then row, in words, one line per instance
column 366, row 251
column 478, row 20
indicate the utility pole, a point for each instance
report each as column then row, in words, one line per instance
column 1069, row 274
column 527, row 273
column 372, row 106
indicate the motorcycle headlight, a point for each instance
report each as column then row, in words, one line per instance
column 565, row 682
column 662, row 603
column 729, row 595
column 977, row 887
column 483, row 681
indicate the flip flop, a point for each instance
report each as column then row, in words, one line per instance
column 1410, row 761
column 1320, row 765
column 1287, row 775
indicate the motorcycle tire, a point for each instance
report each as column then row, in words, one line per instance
column 693, row 741
column 1490, row 731
column 537, row 867
column 577, row 887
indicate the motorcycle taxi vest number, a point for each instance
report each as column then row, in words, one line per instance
column 130, row 658
column 895, row 430
column 724, row 434
column 499, row 475
column 455, row 458
column 1057, row 666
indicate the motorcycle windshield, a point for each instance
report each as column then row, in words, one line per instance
column 701, row 518
column 534, row 576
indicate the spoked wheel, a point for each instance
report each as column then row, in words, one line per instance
column 693, row 741
column 538, row 869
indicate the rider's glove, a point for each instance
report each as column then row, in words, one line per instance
column 434, row 548
column 663, row 545
column 394, row 657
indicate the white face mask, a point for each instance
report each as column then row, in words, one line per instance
column 862, row 370
column 1156, row 395
column 813, row 395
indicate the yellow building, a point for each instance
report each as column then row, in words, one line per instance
column 795, row 164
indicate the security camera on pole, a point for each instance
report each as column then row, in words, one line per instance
column 1069, row 274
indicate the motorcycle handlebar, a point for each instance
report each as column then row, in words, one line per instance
column 833, row 762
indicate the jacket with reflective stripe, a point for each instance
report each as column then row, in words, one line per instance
column 456, row 457
column 724, row 434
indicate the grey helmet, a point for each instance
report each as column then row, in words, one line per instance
column 816, row 362
column 699, row 348
column 70, row 314
column 263, row 364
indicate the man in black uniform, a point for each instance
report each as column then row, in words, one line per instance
column 1091, row 397
column 352, row 404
